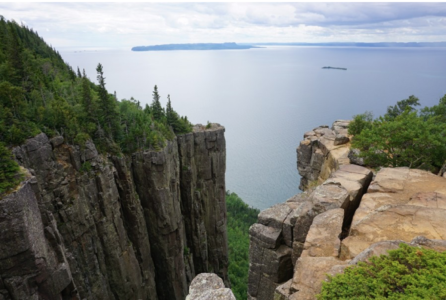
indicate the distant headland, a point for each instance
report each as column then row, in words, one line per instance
column 199, row 46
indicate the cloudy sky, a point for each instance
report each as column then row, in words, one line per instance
column 123, row 25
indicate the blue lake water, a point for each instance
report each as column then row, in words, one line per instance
column 267, row 98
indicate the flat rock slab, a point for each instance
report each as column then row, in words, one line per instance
column 309, row 274
column 406, row 182
column 400, row 204
column 323, row 237
column 402, row 222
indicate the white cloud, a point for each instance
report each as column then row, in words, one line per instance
column 132, row 24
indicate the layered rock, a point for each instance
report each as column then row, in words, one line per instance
column 321, row 152
column 345, row 219
column 203, row 165
column 288, row 235
column 114, row 227
column 33, row 264
column 400, row 206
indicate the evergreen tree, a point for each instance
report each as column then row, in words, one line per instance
column 156, row 108
column 86, row 94
column 108, row 116
column 170, row 113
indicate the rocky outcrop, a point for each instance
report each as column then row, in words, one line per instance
column 321, row 152
column 343, row 217
column 208, row 286
column 96, row 227
column 288, row 235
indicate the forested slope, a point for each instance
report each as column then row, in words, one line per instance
column 39, row 92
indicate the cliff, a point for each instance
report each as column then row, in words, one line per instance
column 347, row 215
column 86, row 226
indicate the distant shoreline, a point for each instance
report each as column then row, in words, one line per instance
column 198, row 46
column 377, row 45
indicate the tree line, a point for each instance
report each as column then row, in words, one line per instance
column 39, row 92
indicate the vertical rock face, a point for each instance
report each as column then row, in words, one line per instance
column 203, row 165
column 91, row 227
column 157, row 181
column 32, row 264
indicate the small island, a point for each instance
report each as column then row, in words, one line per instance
column 199, row 46
column 335, row 68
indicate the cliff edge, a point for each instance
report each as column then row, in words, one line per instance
column 88, row 226
column 347, row 215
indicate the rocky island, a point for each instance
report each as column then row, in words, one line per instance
column 334, row 68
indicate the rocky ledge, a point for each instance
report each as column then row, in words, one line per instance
column 345, row 219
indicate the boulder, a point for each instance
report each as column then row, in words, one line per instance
column 208, row 286
column 341, row 139
column 353, row 155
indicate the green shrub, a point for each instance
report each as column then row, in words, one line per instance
column 360, row 122
column 81, row 138
column 406, row 273
column 86, row 167
column 403, row 137
column 407, row 140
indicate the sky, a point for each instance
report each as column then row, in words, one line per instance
column 103, row 25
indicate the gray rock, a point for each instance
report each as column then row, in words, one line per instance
column 57, row 141
column 341, row 139
column 202, row 157
column 208, row 286
column 353, row 155
column 268, row 237
column 108, row 227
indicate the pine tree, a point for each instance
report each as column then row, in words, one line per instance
column 87, row 100
column 157, row 109
column 108, row 116
column 170, row 113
